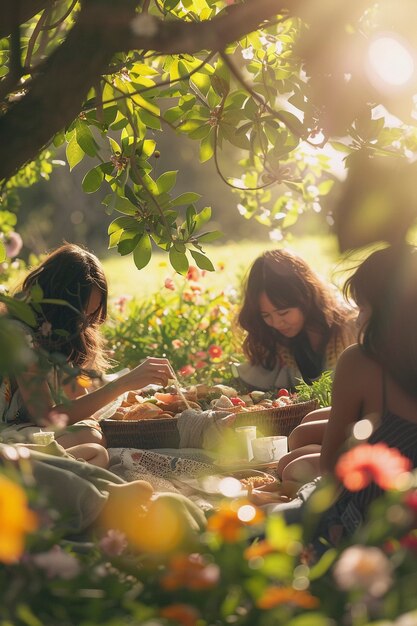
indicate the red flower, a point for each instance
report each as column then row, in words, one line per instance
column 187, row 370
column 215, row 352
column 368, row 463
column 411, row 500
column 193, row 273
column 409, row 542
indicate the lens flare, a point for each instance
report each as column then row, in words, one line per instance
column 390, row 62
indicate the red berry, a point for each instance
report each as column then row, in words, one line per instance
column 283, row 392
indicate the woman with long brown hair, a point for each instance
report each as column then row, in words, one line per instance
column 66, row 339
column 296, row 327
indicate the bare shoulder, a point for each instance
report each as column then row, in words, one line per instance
column 354, row 362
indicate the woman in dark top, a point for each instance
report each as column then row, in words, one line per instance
column 376, row 379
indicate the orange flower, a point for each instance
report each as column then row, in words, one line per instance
column 181, row 613
column 366, row 463
column 190, row 571
column 259, row 549
column 215, row 352
column 16, row 520
column 274, row 596
column 228, row 521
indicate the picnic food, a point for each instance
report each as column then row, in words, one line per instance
column 254, row 482
column 156, row 402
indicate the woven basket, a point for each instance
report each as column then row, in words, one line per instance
column 143, row 434
column 278, row 420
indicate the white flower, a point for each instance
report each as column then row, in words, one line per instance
column 361, row 567
column 248, row 53
column 57, row 563
column 276, row 235
column 144, row 25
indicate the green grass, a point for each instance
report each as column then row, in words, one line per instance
column 320, row 252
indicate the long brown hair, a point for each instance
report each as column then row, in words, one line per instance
column 387, row 282
column 70, row 273
column 288, row 282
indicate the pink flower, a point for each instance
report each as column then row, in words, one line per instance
column 177, row 343
column 57, row 564
column 169, row 284
column 114, row 543
column 14, row 244
column 200, row 364
column 215, row 352
column 368, row 463
column 187, row 370
column 120, row 303
column 193, row 273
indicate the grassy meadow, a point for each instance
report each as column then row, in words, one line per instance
column 231, row 261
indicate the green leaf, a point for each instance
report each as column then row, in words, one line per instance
column 202, row 261
column 311, row 619
column 74, row 153
column 85, row 139
column 121, row 223
column 128, row 242
column 186, row 198
column 207, row 147
column 124, row 205
column 93, row 179
column 36, row 293
column 209, row 237
column 3, row 254
column 178, row 261
column 20, row 310
column 203, row 217
column 166, row 181
column 143, row 251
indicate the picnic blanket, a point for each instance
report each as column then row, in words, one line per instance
column 173, row 471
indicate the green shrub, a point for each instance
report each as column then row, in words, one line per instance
column 184, row 321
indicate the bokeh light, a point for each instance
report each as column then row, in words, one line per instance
column 246, row 513
column 391, row 63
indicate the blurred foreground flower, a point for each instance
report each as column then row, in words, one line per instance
column 57, row 563
column 16, row 520
column 113, row 543
column 190, row 571
column 368, row 463
column 181, row 613
column 274, row 596
column 230, row 520
column 363, row 567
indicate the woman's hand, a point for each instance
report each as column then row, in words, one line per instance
column 152, row 371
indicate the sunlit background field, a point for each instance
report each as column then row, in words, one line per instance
column 231, row 261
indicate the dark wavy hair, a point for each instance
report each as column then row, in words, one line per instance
column 71, row 273
column 387, row 282
column 288, row 282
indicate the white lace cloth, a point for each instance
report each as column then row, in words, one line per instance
column 173, row 474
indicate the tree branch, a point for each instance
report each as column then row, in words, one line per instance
column 27, row 9
column 61, row 83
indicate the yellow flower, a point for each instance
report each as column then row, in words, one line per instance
column 274, row 596
column 16, row 520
